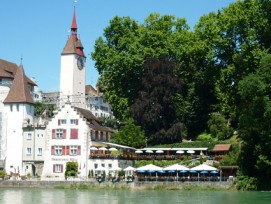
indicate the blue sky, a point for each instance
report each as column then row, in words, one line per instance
column 37, row 30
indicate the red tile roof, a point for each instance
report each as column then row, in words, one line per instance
column 19, row 91
column 222, row 148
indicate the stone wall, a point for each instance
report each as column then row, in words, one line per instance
column 94, row 183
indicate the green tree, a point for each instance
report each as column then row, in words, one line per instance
column 119, row 57
column 219, row 127
column 44, row 110
column 255, row 114
column 130, row 135
column 237, row 38
column 71, row 169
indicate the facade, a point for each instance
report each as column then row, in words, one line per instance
column 17, row 107
column 68, row 139
column 34, row 137
column 96, row 103
column 8, row 71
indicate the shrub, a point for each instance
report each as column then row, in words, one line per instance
column 205, row 136
column 2, row 174
column 246, row 183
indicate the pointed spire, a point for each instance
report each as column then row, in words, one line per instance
column 19, row 91
column 74, row 24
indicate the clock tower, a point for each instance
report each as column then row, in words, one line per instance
column 73, row 70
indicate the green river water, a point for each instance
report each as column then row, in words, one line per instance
column 59, row 196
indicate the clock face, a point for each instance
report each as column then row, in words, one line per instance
column 80, row 63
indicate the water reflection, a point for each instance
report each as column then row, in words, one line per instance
column 51, row 196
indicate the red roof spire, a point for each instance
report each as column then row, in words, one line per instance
column 74, row 25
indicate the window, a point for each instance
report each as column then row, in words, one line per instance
column 73, row 150
column 95, row 166
column 74, row 121
column 58, row 168
column 62, row 121
column 29, row 136
column 59, row 133
column 58, row 150
column 39, row 151
column 109, row 166
column 28, row 151
column 17, row 106
column 11, row 108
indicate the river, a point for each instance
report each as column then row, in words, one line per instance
column 60, row 196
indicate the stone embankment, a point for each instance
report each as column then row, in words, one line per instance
column 120, row 185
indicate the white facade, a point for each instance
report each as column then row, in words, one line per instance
column 33, row 148
column 72, row 81
column 14, row 117
column 66, row 140
column 99, row 107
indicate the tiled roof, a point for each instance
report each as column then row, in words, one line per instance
column 90, row 90
column 9, row 69
column 94, row 122
column 70, row 47
column 222, row 148
column 19, row 91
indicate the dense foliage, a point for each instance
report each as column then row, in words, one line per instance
column 224, row 65
column 154, row 109
column 44, row 110
column 129, row 134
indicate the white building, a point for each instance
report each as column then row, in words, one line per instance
column 96, row 103
column 34, row 137
column 68, row 139
column 17, row 106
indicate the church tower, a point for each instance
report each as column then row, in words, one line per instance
column 73, row 70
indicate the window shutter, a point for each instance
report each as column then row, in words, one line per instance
column 54, row 168
column 63, row 150
column 67, row 150
column 106, row 136
column 64, row 134
column 52, row 150
column 61, row 166
column 53, row 133
column 71, row 134
column 76, row 121
column 102, row 135
column 75, row 133
column 78, row 150
column 59, row 122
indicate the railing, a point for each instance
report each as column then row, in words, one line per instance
column 138, row 157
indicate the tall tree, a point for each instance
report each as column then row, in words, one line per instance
column 120, row 55
column 255, row 116
column 154, row 108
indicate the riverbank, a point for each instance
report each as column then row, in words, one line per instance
column 118, row 185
